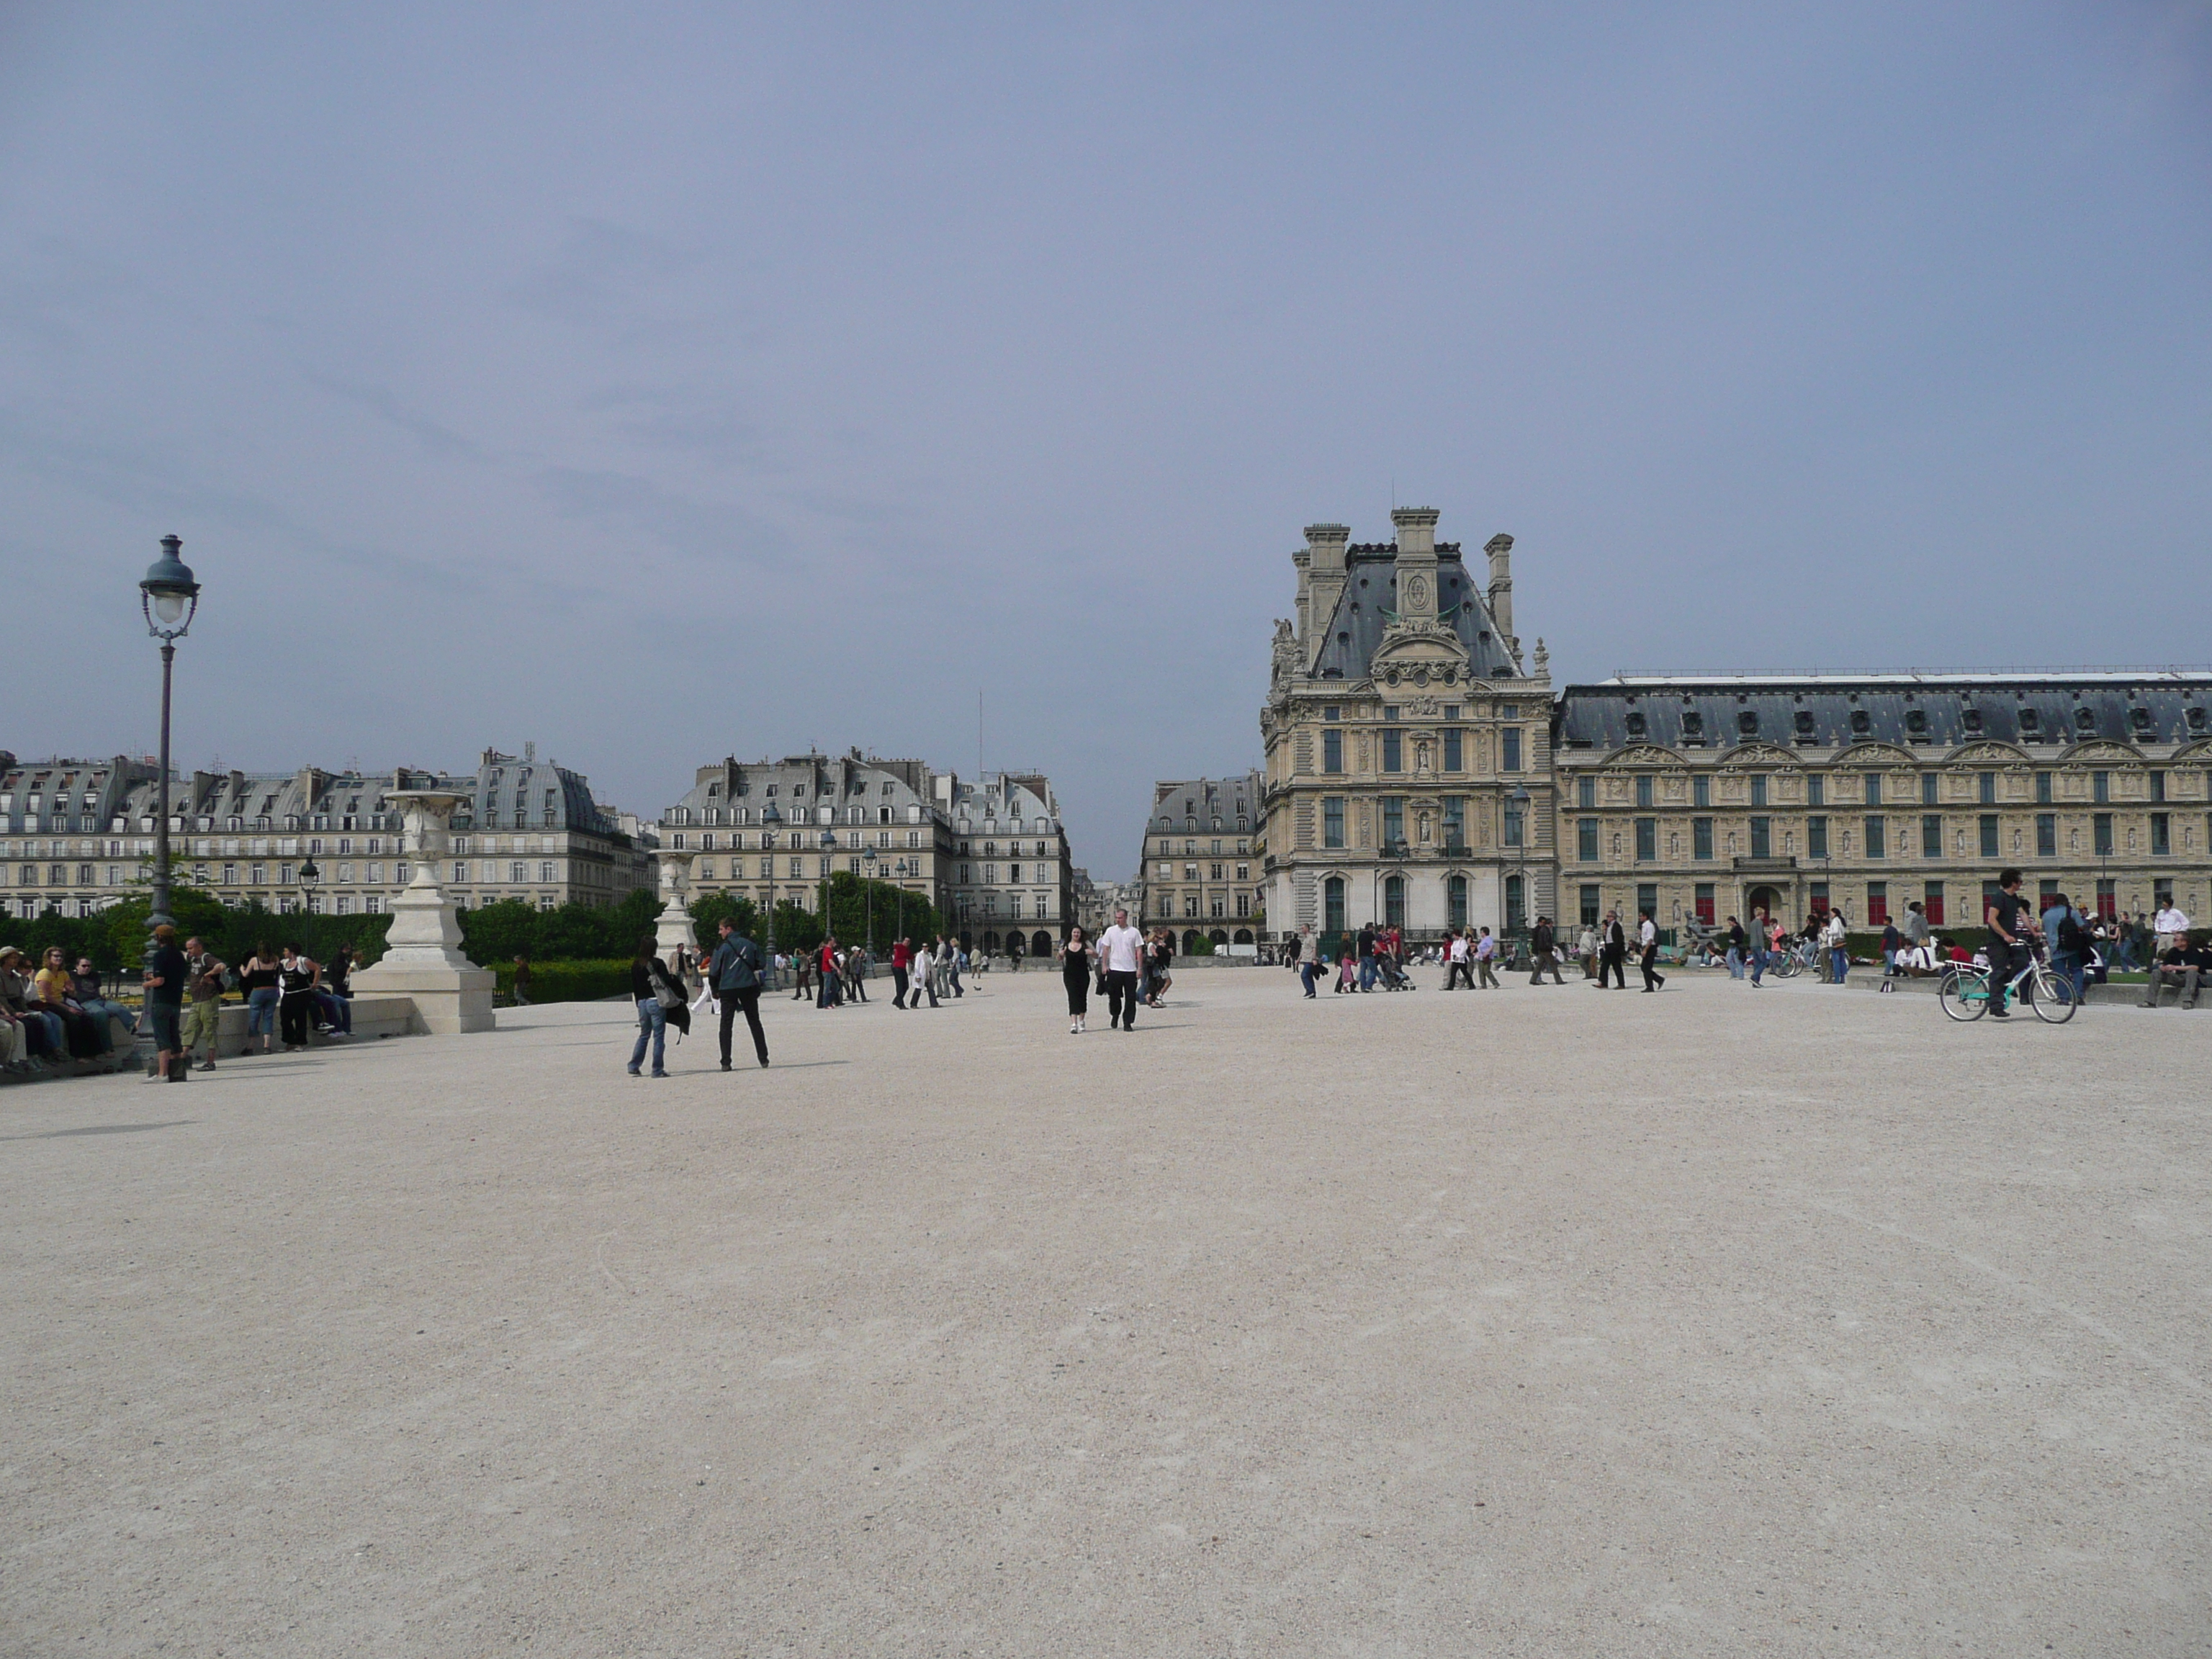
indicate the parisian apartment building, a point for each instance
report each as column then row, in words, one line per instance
column 1420, row 773
column 1199, row 872
column 77, row 836
column 991, row 855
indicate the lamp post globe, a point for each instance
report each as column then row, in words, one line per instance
column 309, row 875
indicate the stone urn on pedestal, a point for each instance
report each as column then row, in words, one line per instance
column 673, row 930
column 422, row 958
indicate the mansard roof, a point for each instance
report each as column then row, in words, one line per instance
column 1204, row 798
column 1369, row 598
column 1924, row 713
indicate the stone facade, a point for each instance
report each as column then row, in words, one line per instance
column 526, row 830
column 1409, row 776
column 1013, row 875
column 1199, row 871
column 775, row 830
column 1703, row 798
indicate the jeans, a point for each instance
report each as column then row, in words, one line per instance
column 337, row 1012
column 1736, row 963
column 1367, row 972
column 2068, row 967
column 952, row 980
column 102, row 1011
column 1840, row 964
column 1122, row 997
column 261, row 1011
column 748, row 1000
column 1758, row 961
column 652, row 1022
column 1306, row 976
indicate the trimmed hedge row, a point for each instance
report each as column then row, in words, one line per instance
column 570, row 981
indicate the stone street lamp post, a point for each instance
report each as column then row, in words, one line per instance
column 769, row 818
column 868, row 892
column 309, row 873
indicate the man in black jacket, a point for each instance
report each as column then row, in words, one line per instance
column 1613, row 956
column 737, row 971
column 1544, row 952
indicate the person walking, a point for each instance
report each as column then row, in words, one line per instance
column 1308, row 963
column 522, row 979
column 954, row 956
column 648, row 975
column 1839, row 957
column 902, row 960
column 1485, row 954
column 1458, row 972
column 1544, row 953
column 1586, row 944
column 2064, row 932
column 203, row 1023
column 1647, row 941
column 1077, row 964
column 924, row 975
column 1121, row 949
column 736, row 973
column 1613, row 954
column 825, row 967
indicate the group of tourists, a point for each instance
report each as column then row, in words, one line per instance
column 1124, row 967
column 52, row 1014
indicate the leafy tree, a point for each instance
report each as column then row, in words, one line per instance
column 708, row 910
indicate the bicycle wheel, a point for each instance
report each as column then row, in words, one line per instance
column 2053, row 1000
column 1788, row 965
column 1965, row 996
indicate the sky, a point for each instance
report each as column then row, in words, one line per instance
column 661, row 383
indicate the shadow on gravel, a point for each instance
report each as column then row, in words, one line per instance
column 104, row 1129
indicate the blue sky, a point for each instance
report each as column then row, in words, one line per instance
column 659, row 383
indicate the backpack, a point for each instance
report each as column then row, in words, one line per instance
column 2072, row 937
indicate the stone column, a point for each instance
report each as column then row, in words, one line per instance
column 674, row 927
column 422, row 958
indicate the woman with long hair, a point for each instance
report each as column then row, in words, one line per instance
column 648, row 975
column 258, row 979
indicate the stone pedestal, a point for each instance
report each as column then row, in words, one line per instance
column 674, row 930
column 422, row 958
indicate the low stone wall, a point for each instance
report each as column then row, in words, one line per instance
column 373, row 1017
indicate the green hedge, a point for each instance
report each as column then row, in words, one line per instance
column 570, row 981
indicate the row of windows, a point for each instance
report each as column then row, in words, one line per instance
column 1216, row 905
column 1190, row 847
column 678, row 840
column 1876, row 840
column 1393, row 751
column 1869, row 791
column 714, row 815
column 1214, row 873
column 1333, row 906
column 1394, row 822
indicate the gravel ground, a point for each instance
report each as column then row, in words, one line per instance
column 1716, row 1322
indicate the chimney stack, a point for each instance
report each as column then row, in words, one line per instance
column 1323, row 580
column 1416, row 564
column 1500, row 549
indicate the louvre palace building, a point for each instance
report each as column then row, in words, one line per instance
column 1423, row 772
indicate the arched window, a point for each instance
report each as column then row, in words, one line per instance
column 1244, row 936
column 1219, row 936
column 1331, row 905
column 1456, row 896
column 1516, row 904
column 1394, row 902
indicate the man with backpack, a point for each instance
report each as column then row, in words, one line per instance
column 737, row 972
column 2068, row 933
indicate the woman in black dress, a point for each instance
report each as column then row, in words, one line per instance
column 1077, row 965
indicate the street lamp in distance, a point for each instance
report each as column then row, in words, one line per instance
column 309, row 875
column 769, row 818
column 168, row 598
column 868, row 892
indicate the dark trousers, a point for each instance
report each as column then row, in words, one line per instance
column 292, row 1018
column 1078, row 994
column 1614, row 963
column 1458, row 972
column 1122, row 997
column 898, row 978
column 1653, row 979
column 748, row 1000
column 2005, row 961
column 1542, row 960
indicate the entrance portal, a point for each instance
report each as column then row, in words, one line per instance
column 1767, row 899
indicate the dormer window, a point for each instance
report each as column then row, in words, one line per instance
column 2030, row 723
column 1973, row 717
column 1636, row 723
column 1804, row 723
column 1747, row 722
column 1693, row 728
column 2085, row 717
column 1915, row 724
column 2139, row 717
column 1862, row 722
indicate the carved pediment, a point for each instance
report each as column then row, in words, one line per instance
column 2103, row 749
column 1643, row 754
column 1989, row 749
column 1876, row 754
column 1758, row 754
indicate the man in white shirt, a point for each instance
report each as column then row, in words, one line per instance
column 1459, row 972
column 1647, row 941
column 2171, row 929
column 1121, row 947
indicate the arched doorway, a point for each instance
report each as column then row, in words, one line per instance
column 1190, row 937
column 1218, row 937
column 1764, row 898
column 1244, row 936
column 1040, row 943
column 991, row 944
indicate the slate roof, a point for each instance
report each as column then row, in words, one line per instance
column 1370, row 588
column 1912, row 711
column 1205, row 798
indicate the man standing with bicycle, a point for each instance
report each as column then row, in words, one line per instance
column 2010, row 923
